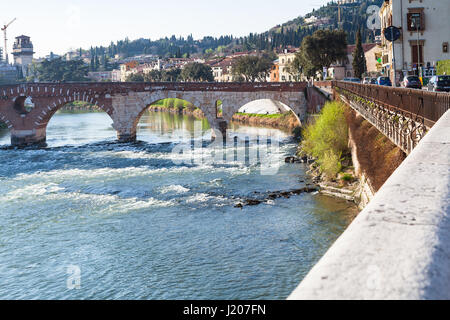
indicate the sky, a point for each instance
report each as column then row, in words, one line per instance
column 58, row 26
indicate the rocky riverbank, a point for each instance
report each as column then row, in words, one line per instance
column 345, row 186
column 286, row 121
column 264, row 198
column 81, row 106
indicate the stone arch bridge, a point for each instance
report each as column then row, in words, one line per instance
column 126, row 102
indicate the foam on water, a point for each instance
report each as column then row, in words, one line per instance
column 140, row 226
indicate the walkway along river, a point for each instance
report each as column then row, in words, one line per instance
column 89, row 218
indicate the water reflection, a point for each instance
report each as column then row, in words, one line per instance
column 172, row 127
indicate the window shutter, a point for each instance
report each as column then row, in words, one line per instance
column 422, row 21
column 409, row 19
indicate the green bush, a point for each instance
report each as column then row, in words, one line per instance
column 327, row 138
column 443, row 67
column 347, row 177
column 330, row 164
column 173, row 103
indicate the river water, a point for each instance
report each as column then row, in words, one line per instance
column 87, row 218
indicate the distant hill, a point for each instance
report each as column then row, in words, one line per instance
column 291, row 33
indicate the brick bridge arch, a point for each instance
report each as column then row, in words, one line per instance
column 126, row 102
column 29, row 127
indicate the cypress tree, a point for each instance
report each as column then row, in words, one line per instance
column 92, row 66
column 359, row 58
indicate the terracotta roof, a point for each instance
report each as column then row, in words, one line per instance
column 366, row 47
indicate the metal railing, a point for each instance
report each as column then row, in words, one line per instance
column 402, row 115
column 430, row 106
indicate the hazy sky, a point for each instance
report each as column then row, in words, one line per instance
column 57, row 26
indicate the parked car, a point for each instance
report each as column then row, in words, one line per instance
column 384, row 81
column 439, row 83
column 373, row 81
column 412, row 82
column 366, row 80
column 356, row 80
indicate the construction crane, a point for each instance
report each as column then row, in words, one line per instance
column 6, row 39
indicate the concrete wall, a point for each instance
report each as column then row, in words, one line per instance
column 399, row 245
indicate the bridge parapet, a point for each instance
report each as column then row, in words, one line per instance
column 403, row 115
column 54, row 89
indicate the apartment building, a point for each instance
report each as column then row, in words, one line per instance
column 284, row 61
column 425, row 36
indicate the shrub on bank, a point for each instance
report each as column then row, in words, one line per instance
column 443, row 67
column 172, row 103
column 327, row 138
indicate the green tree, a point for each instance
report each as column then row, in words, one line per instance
column 195, row 71
column 97, row 63
column 62, row 70
column 154, row 76
column 359, row 58
column 135, row 77
column 252, row 68
column 171, row 75
column 92, row 65
column 322, row 49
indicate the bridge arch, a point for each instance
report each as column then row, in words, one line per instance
column 28, row 125
column 137, row 104
column 174, row 108
column 296, row 104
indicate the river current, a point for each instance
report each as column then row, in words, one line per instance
column 88, row 218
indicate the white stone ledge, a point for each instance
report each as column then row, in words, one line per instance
column 399, row 245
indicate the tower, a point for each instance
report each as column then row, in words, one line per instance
column 23, row 53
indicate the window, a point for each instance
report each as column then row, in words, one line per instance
column 417, row 52
column 416, row 21
column 445, row 47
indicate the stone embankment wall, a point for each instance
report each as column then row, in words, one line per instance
column 374, row 156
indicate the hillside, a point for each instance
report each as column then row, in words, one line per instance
column 291, row 33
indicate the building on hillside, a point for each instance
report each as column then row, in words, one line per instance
column 311, row 20
column 317, row 22
column 128, row 69
column 348, row 1
column 223, row 70
column 284, row 61
column 344, row 69
column 275, row 72
column 423, row 41
column 23, row 53
column 116, row 75
column 73, row 55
